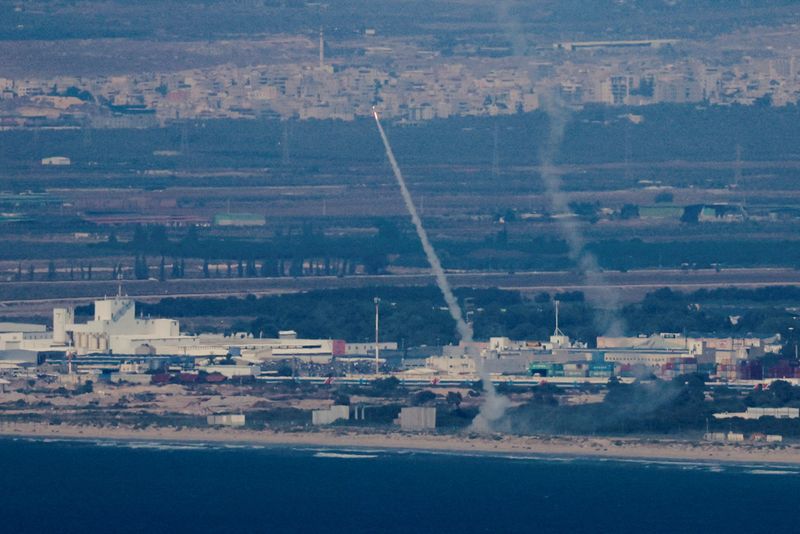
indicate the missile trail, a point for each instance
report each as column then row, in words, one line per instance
column 464, row 329
column 494, row 406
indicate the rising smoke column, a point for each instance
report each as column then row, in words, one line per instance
column 599, row 294
column 494, row 406
column 512, row 27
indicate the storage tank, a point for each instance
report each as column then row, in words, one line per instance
column 61, row 318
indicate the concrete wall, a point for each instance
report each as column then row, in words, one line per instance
column 417, row 418
column 226, row 419
column 334, row 413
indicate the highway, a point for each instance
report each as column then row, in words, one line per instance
column 21, row 298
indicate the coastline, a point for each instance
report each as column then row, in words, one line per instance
column 573, row 446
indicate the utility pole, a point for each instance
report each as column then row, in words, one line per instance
column 285, row 156
column 321, row 49
column 377, row 330
column 495, row 155
column 557, row 331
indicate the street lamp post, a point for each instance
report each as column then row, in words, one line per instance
column 377, row 327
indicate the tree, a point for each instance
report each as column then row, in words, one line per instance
column 454, row 399
column 140, row 269
column 296, row 267
column 542, row 298
column 423, row 397
column 782, row 391
column 139, row 240
column 190, row 240
column 375, row 263
column 388, row 230
column 384, row 386
column 664, row 197
column 251, row 268
column 158, row 238
column 87, row 387
column 629, row 211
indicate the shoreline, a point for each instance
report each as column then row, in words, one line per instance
column 505, row 445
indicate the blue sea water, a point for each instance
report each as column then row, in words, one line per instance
column 106, row 486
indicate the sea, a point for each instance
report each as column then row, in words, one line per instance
column 150, row 487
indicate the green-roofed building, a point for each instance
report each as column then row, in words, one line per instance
column 239, row 219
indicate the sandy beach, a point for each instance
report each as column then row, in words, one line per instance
column 605, row 447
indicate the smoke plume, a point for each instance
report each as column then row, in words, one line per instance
column 494, row 405
column 598, row 293
column 512, row 28
column 626, row 408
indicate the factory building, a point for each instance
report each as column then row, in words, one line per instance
column 368, row 348
column 115, row 328
column 56, row 161
column 663, row 355
column 239, row 219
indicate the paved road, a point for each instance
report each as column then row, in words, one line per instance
column 28, row 297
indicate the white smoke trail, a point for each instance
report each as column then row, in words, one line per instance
column 464, row 329
column 512, row 27
column 494, row 405
column 600, row 295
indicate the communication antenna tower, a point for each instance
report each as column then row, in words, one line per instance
column 557, row 331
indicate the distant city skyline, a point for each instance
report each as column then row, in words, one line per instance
column 409, row 81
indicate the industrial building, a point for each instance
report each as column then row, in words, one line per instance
column 239, row 219
column 116, row 337
column 56, row 161
column 758, row 413
column 663, row 355
column 116, row 330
